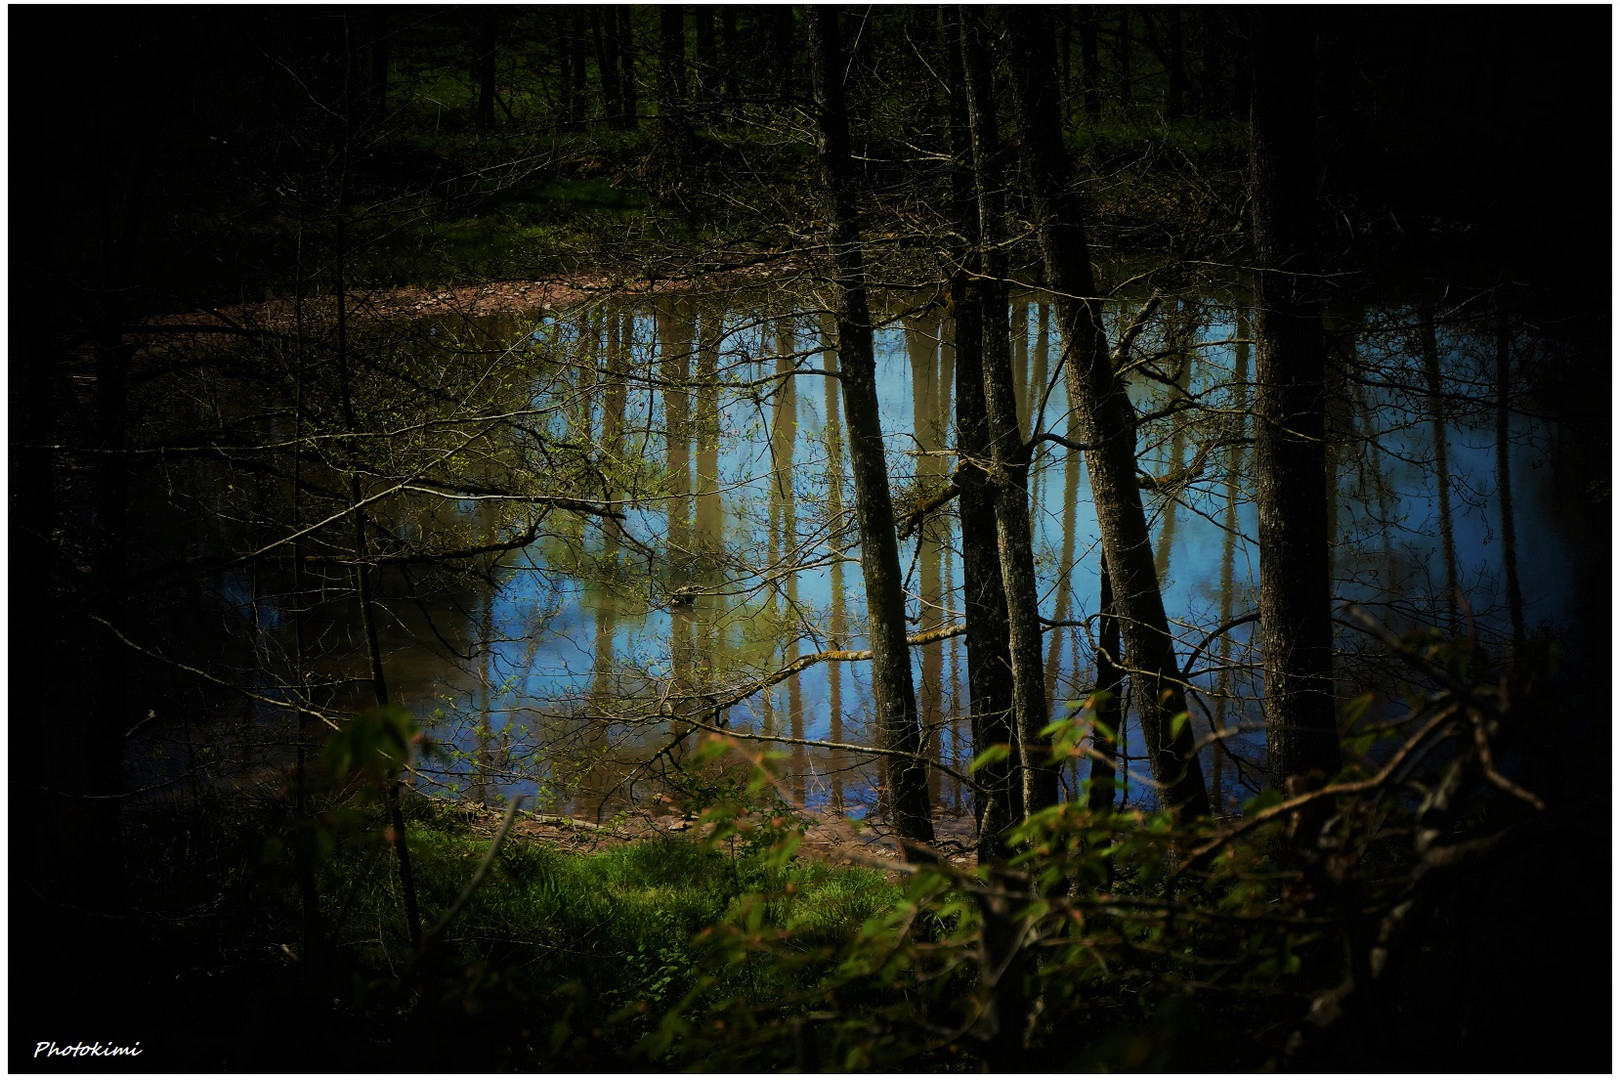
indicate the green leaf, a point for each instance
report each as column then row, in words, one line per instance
column 990, row 756
column 1177, row 723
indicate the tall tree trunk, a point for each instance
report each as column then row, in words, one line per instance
column 1009, row 452
column 1504, row 480
column 838, row 624
column 1106, row 419
column 627, row 67
column 782, row 67
column 1176, row 62
column 672, row 121
column 784, row 522
column 1296, row 627
column 1089, row 61
column 484, row 70
column 906, row 770
column 1123, row 47
column 1234, row 474
column 705, row 74
column 730, row 44
column 922, row 349
column 984, row 598
column 605, row 32
column 378, row 89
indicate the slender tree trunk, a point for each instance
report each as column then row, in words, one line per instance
column 605, row 32
column 378, row 90
column 1089, row 61
column 1109, row 708
column 1504, row 480
column 1124, row 46
column 838, row 626
column 1176, row 63
column 899, row 731
column 577, row 74
column 484, row 70
column 672, row 120
column 730, row 44
column 922, row 350
column 1442, row 466
column 675, row 347
column 984, row 598
column 785, row 526
column 1234, row 475
column 782, row 67
column 705, row 72
column 627, row 67
column 1296, row 627
column 1009, row 452
column 1106, row 419
column 362, row 570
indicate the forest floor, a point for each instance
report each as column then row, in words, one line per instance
column 829, row 835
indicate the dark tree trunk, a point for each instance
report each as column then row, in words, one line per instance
column 1123, row 47
column 705, row 72
column 1175, row 62
column 484, row 70
column 729, row 43
column 1504, row 482
column 899, row 731
column 1088, row 59
column 1008, row 450
column 1213, row 37
column 627, row 67
column 989, row 660
column 605, row 32
column 576, row 68
column 782, row 67
column 379, row 61
column 1430, row 347
column 1109, row 708
column 672, row 122
column 1290, row 454
column 1106, row 419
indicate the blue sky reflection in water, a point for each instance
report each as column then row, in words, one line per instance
column 547, row 679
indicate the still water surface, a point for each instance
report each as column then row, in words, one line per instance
column 736, row 554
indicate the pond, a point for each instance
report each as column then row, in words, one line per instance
column 576, row 674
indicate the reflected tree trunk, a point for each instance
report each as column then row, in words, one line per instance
column 905, row 769
column 922, row 349
column 675, row 319
column 785, row 535
column 1108, row 704
column 1178, row 340
column 1504, row 480
column 1106, row 420
column 485, row 726
column 1430, row 348
column 1064, row 607
column 710, row 532
column 838, row 625
column 1234, row 494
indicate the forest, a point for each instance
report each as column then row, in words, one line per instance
column 810, row 538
